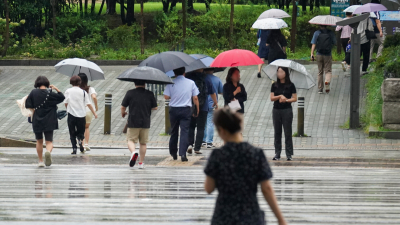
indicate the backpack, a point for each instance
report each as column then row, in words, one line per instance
column 324, row 42
column 200, row 81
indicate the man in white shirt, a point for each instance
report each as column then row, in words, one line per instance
column 76, row 101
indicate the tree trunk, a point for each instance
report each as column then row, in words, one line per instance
column 311, row 5
column 93, row 6
column 130, row 11
column 304, row 5
column 86, row 6
column 122, row 4
column 111, row 4
column 294, row 28
column 231, row 24
column 53, row 5
column 101, row 6
column 80, row 7
column 287, row 5
column 184, row 2
column 317, row 3
column 7, row 37
column 141, row 28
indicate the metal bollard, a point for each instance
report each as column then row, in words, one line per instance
column 107, row 114
column 167, row 122
column 300, row 117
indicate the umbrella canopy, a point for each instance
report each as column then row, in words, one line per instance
column 390, row 4
column 299, row 75
column 147, row 74
column 369, row 7
column 74, row 66
column 351, row 8
column 325, row 20
column 202, row 62
column 269, row 24
column 236, row 57
column 273, row 13
column 166, row 61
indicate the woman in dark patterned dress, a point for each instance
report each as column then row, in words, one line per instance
column 235, row 170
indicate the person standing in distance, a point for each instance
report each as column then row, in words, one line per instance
column 323, row 40
column 283, row 93
column 140, row 102
column 233, row 89
column 76, row 101
column 180, row 94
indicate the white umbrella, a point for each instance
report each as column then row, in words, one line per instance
column 273, row 13
column 351, row 8
column 74, row 66
column 299, row 75
column 325, row 20
column 269, row 24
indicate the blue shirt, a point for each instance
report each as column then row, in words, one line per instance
column 315, row 37
column 210, row 91
column 217, row 87
column 181, row 92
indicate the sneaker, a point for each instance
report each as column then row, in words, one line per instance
column 41, row 164
column 277, row 157
column 133, row 159
column 327, row 87
column 87, row 148
column 344, row 66
column 320, row 91
column 259, row 75
column 198, row 152
column 289, row 158
column 47, row 158
column 190, row 149
column 73, row 151
column 210, row 145
column 141, row 165
column 204, row 143
column 81, row 148
column 364, row 73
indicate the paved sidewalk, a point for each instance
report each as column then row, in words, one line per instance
column 323, row 114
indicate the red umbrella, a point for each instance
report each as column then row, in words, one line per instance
column 236, row 57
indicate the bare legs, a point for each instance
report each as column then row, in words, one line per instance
column 142, row 150
column 39, row 148
column 87, row 134
column 260, row 65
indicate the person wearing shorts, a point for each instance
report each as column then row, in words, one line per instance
column 140, row 102
column 44, row 99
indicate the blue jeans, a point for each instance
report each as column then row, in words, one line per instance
column 209, row 130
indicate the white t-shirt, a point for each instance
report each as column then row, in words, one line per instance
column 76, row 102
column 91, row 91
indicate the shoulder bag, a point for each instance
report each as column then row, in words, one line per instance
column 370, row 34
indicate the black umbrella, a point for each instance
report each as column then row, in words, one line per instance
column 166, row 61
column 147, row 74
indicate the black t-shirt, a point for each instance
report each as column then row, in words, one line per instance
column 285, row 90
column 140, row 102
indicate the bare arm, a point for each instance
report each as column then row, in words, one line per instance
column 275, row 98
column 92, row 109
column 209, row 184
column 94, row 97
column 379, row 25
column 123, row 111
column 293, row 98
column 166, row 97
column 312, row 50
column 196, row 103
column 269, row 195
column 214, row 98
column 155, row 108
column 66, row 105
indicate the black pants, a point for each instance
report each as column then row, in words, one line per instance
column 76, row 126
column 200, row 122
column 345, row 42
column 347, row 57
column 179, row 117
column 283, row 117
column 365, row 51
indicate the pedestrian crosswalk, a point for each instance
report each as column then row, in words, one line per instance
column 170, row 195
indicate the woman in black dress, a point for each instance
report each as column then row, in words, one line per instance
column 233, row 89
column 277, row 46
column 44, row 99
column 263, row 49
column 283, row 93
column 235, row 170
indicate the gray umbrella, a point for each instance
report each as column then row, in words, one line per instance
column 166, row 61
column 147, row 74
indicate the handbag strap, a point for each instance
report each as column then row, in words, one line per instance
column 48, row 94
column 280, row 46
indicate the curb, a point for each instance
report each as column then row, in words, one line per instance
column 374, row 132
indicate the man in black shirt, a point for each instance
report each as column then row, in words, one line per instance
column 140, row 102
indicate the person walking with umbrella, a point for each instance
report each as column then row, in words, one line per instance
column 283, row 93
column 277, row 46
column 181, row 94
column 263, row 49
column 233, row 90
column 345, row 37
column 76, row 101
column 140, row 102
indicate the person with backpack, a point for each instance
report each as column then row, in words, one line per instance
column 205, row 87
column 380, row 37
column 323, row 40
column 277, row 46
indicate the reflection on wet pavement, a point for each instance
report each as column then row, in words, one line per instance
column 165, row 195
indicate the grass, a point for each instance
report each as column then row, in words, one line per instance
column 297, row 135
column 164, row 134
column 346, row 125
